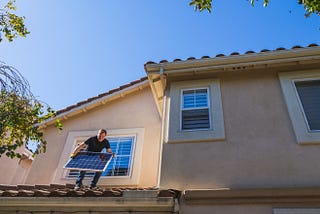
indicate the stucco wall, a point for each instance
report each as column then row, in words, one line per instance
column 135, row 110
column 14, row 171
column 260, row 149
column 226, row 209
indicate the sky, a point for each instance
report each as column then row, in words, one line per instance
column 79, row 49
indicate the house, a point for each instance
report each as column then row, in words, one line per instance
column 227, row 134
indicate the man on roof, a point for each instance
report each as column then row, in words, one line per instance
column 93, row 144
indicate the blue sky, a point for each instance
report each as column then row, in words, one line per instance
column 79, row 49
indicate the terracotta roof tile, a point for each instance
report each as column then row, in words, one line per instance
column 236, row 53
column 67, row 190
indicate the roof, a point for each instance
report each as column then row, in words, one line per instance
column 60, row 198
column 67, row 190
column 234, row 54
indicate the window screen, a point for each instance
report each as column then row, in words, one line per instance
column 309, row 94
column 195, row 109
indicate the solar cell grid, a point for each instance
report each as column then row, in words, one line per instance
column 89, row 161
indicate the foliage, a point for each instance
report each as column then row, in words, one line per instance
column 310, row 6
column 200, row 5
column 11, row 25
column 20, row 114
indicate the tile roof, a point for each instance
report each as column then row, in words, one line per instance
column 232, row 54
column 67, row 190
column 112, row 91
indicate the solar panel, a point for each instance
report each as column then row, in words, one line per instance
column 89, row 161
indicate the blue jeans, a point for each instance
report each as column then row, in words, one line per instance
column 94, row 181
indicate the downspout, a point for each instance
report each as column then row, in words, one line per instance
column 161, row 71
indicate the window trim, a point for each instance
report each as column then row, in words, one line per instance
column 207, row 107
column 296, row 112
column 171, row 126
column 76, row 136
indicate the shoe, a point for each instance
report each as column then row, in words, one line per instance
column 77, row 187
column 92, row 187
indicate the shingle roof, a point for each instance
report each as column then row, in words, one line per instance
column 67, row 190
column 232, row 54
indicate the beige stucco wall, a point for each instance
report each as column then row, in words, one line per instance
column 260, row 149
column 226, row 209
column 136, row 110
column 14, row 171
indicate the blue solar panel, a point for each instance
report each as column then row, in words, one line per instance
column 89, row 161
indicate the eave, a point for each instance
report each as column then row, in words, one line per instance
column 284, row 196
column 87, row 204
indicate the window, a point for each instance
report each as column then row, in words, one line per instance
column 302, row 95
column 195, row 109
column 120, row 165
column 125, row 168
column 309, row 95
column 193, row 112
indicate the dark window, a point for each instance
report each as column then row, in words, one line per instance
column 309, row 94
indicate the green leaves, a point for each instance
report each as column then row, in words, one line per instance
column 11, row 25
column 311, row 6
column 200, row 5
column 20, row 114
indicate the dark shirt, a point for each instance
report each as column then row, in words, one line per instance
column 95, row 146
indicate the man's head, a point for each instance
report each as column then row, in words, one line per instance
column 102, row 133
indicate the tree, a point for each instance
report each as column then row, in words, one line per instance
column 311, row 6
column 20, row 112
column 11, row 25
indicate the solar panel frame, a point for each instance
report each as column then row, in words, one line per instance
column 89, row 161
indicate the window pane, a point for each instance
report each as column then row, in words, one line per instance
column 195, row 119
column 120, row 165
column 309, row 94
column 195, row 98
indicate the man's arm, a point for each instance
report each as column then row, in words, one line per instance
column 78, row 149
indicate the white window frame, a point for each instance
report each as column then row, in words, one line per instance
column 172, row 132
column 73, row 137
column 296, row 112
column 183, row 109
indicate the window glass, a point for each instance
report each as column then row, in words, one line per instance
column 309, row 95
column 121, row 164
column 195, row 111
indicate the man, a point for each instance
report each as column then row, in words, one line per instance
column 93, row 144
